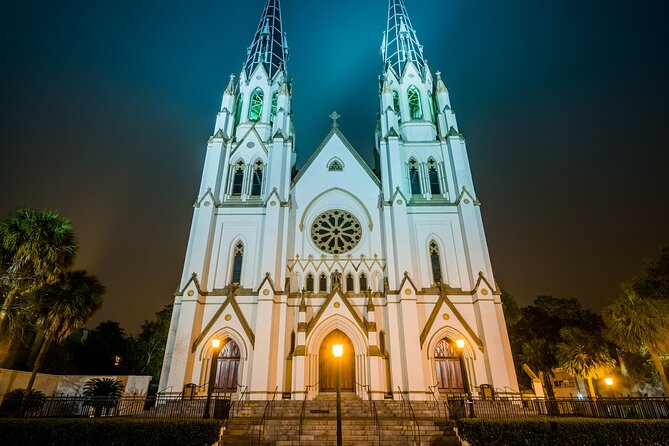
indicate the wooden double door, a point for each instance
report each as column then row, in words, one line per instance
column 227, row 367
column 448, row 367
column 327, row 364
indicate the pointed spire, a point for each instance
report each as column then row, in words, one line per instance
column 230, row 89
column 400, row 42
column 269, row 46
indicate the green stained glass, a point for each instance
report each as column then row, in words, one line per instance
column 238, row 109
column 275, row 104
column 396, row 104
column 255, row 106
column 415, row 107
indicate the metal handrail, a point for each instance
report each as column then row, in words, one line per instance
column 407, row 402
column 245, row 391
column 266, row 413
column 435, row 398
column 304, row 402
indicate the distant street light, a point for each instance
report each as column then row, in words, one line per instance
column 216, row 347
column 338, row 352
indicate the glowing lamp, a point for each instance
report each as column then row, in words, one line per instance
column 460, row 343
column 338, row 350
column 608, row 381
column 215, row 344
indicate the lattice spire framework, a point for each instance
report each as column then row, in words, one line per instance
column 269, row 45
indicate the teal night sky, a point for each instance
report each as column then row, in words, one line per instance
column 106, row 107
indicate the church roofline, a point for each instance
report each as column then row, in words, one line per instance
column 348, row 145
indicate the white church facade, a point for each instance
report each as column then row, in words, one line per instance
column 281, row 264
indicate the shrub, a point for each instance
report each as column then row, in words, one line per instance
column 11, row 404
column 108, row 432
column 564, row 432
column 102, row 393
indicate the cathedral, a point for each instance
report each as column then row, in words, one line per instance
column 391, row 263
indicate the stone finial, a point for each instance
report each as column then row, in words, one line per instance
column 334, row 116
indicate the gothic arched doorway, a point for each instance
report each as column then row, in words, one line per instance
column 327, row 363
column 448, row 367
column 227, row 367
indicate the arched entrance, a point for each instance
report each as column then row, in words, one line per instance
column 448, row 367
column 227, row 367
column 327, row 363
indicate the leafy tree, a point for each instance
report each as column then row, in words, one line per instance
column 584, row 355
column 512, row 313
column 654, row 283
column 636, row 322
column 64, row 307
column 535, row 336
column 98, row 353
column 149, row 346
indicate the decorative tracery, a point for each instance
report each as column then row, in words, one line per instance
column 336, row 232
column 415, row 106
column 274, row 107
column 435, row 261
column 237, row 263
column 433, row 176
column 256, row 105
column 256, row 179
column 414, row 177
column 238, row 179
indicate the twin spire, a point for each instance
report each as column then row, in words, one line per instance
column 269, row 46
column 400, row 42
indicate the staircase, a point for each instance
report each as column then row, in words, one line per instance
column 314, row 422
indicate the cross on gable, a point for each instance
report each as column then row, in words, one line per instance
column 334, row 116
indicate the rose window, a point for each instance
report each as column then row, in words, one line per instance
column 336, row 232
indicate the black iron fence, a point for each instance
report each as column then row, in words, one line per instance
column 631, row 408
column 132, row 406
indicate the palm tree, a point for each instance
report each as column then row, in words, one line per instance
column 540, row 357
column 102, row 393
column 635, row 322
column 63, row 308
column 584, row 355
column 37, row 246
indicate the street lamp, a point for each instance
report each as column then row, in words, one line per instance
column 460, row 344
column 216, row 347
column 338, row 352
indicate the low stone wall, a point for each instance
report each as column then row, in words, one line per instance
column 69, row 385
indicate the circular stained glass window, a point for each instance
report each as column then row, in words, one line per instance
column 336, row 232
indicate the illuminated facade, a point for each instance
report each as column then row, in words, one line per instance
column 280, row 265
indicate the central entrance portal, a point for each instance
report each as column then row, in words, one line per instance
column 327, row 364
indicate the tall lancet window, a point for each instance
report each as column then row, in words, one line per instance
column 238, row 179
column 349, row 283
column 433, row 174
column 363, row 283
column 237, row 263
column 415, row 106
column 238, row 109
column 310, row 283
column 430, row 101
column 323, row 284
column 435, row 260
column 396, row 105
column 256, row 181
column 255, row 106
column 275, row 105
column 414, row 177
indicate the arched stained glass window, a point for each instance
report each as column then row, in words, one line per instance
column 310, row 283
column 415, row 106
column 396, row 104
column 237, row 263
column 349, row 283
column 433, row 174
column 414, row 177
column 435, row 261
column 323, row 284
column 238, row 179
column 363, row 282
column 255, row 106
column 256, row 182
column 273, row 109
column 238, row 109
